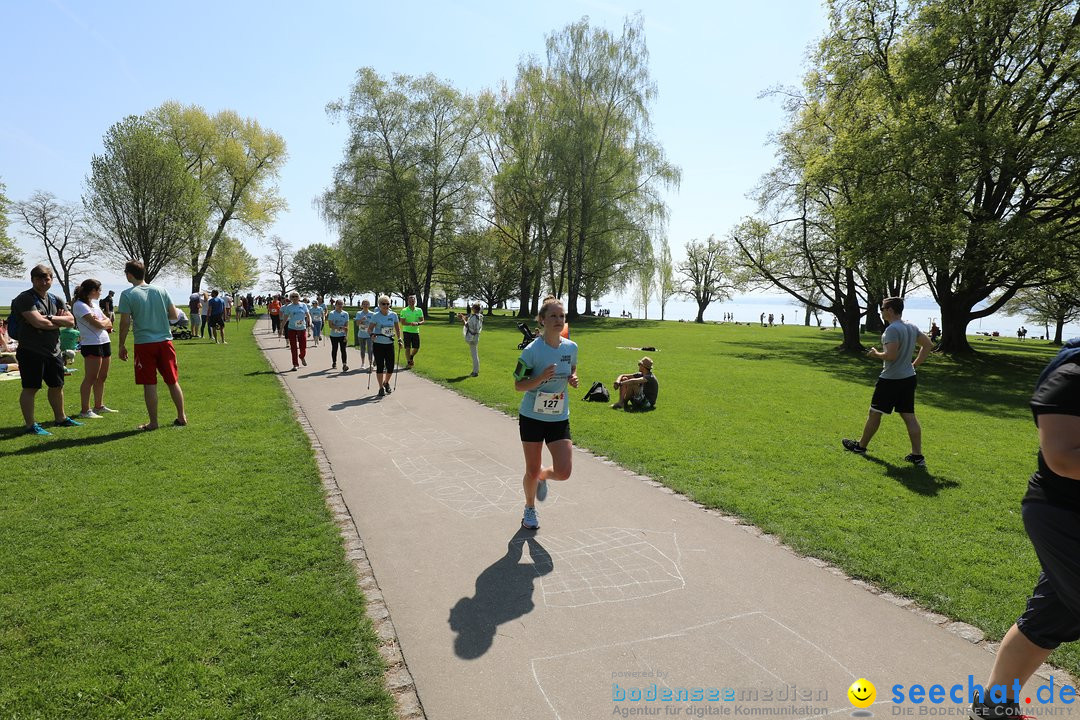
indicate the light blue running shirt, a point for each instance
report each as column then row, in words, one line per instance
column 363, row 320
column 384, row 327
column 294, row 316
column 537, row 356
column 338, row 318
column 317, row 312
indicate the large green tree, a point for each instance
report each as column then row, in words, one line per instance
column 707, row 273
column 11, row 257
column 236, row 164
column 233, row 268
column 974, row 105
column 140, row 198
column 317, row 269
column 408, row 182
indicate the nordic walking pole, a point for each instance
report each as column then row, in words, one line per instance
column 397, row 362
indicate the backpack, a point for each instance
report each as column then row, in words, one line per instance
column 14, row 321
column 597, row 393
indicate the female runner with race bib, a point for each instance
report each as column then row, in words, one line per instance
column 546, row 366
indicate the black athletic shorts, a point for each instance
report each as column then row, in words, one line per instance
column 896, row 395
column 533, row 430
column 412, row 340
column 35, row 368
column 1052, row 616
column 103, row 350
column 217, row 321
column 384, row 357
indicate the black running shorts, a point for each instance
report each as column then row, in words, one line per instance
column 1052, row 616
column 533, row 430
column 896, row 395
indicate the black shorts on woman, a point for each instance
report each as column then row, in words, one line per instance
column 103, row 350
column 533, row 430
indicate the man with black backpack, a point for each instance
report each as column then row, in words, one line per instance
column 38, row 316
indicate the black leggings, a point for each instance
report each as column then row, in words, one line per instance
column 384, row 357
column 335, row 343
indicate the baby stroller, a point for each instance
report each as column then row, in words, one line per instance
column 528, row 336
column 181, row 330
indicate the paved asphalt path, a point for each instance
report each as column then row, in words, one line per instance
column 625, row 589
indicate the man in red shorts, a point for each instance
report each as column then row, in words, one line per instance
column 150, row 309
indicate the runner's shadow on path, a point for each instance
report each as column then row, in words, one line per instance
column 458, row 379
column 504, row 592
column 914, row 478
column 357, row 402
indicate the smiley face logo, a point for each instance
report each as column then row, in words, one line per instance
column 862, row 693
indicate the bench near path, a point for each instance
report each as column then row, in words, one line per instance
column 626, row 589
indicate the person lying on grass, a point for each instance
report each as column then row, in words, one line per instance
column 637, row 391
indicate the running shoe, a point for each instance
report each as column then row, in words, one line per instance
column 333, row 366
column 917, row 460
column 68, row 422
column 386, row 387
column 853, row 446
column 530, row 520
column 294, row 368
column 303, row 362
column 382, row 393
column 36, row 429
column 90, row 414
column 104, row 409
column 541, row 491
column 344, row 368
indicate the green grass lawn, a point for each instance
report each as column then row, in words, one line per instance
column 186, row 572
column 749, row 420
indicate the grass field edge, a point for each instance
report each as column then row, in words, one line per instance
column 397, row 678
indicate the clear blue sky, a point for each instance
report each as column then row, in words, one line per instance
column 75, row 68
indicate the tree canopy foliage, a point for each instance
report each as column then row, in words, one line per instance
column 933, row 142
column 141, row 199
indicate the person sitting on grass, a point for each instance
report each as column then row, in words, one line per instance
column 637, row 391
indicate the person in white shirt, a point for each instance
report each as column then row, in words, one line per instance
column 95, row 346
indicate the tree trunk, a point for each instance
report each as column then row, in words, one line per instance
column 874, row 323
column 1060, row 321
column 701, row 312
column 807, row 311
column 852, row 342
column 954, row 322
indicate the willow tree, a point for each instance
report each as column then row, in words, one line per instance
column 604, row 154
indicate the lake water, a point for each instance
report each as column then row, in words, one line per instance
column 747, row 309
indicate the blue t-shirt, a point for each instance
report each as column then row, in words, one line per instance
column 148, row 307
column 537, row 356
column 317, row 312
column 336, row 319
column 217, row 306
column 384, row 327
column 295, row 316
column 904, row 335
column 363, row 319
